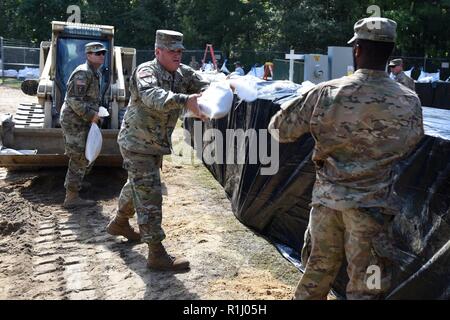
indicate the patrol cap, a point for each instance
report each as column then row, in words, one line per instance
column 94, row 47
column 395, row 63
column 375, row 29
column 168, row 39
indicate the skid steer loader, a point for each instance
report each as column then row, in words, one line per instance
column 33, row 136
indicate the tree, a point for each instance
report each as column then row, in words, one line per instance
column 236, row 25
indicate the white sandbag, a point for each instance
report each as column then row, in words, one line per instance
column 426, row 77
column 9, row 151
column 246, row 88
column 257, row 72
column 102, row 112
column 279, row 86
column 212, row 76
column 306, row 86
column 408, row 72
column 224, row 68
column 10, row 73
column 28, row 73
column 93, row 143
column 216, row 101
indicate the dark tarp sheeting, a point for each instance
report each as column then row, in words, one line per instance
column 436, row 94
column 277, row 206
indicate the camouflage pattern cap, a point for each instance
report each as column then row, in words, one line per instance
column 395, row 63
column 375, row 29
column 168, row 39
column 94, row 47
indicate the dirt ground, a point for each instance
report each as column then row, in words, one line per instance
column 47, row 252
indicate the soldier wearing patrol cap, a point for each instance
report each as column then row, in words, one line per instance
column 396, row 67
column 362, row 125
column 160, row 90
column 79, row 110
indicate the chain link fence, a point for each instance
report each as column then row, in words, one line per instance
column 247, row 58
column 188, row 56
column 16, row 56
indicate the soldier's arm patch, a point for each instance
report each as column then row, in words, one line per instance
column 80, row 87
column 146, row 78
column 144, row 73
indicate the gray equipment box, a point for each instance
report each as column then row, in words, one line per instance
column 316, row 68
column 313, row 68
column 340, row 61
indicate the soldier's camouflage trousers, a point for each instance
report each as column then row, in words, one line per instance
column 77, row 170
column 75, row 135
column 333, row 236
column 142, row 193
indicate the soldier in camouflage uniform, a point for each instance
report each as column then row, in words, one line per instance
column 160, row 90
column 362, row 125
column 79, row 110
column 396, row 66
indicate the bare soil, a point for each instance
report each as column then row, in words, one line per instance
column 48, row 252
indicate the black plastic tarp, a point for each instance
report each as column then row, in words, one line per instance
column 277, row 206
column 436, row 94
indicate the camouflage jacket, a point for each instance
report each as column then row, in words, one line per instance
column 157, row 99
column 362, row 125
column 80, row 105
column 405, row 80
column 83, row 94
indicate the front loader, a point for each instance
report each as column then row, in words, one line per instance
column 32, row 137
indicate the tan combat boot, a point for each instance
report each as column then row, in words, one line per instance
column 121, row 227
column 159, row 259
column 73, row 200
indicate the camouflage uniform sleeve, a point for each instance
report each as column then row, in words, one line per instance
column 76, row 92
column 154, row 96
column 416, row 124
column 412, row 84
column 293, row 120
column 197, row 83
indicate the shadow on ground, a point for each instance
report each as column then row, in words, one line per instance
column 159, row 285
column 47, row 185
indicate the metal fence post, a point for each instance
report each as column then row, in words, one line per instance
column 2, row 53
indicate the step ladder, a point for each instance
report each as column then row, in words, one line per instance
column 213, row 56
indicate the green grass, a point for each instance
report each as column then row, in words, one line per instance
column 11, row 83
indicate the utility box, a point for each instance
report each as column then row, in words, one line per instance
column 281, row 70
column 316, row 68
column 313, row 68
column 340, row 61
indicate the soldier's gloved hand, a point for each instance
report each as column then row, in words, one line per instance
column 192, row 105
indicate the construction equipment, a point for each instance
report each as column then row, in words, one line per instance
column 36, row 127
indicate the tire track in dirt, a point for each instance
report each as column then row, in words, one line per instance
column 79, row 279
column 58, row 261
column 70, row 255
column 68, row 260
column 48, row 264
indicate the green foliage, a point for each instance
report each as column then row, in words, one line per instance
column 238, row 25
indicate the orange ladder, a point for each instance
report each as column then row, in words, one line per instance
column 213, row 56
